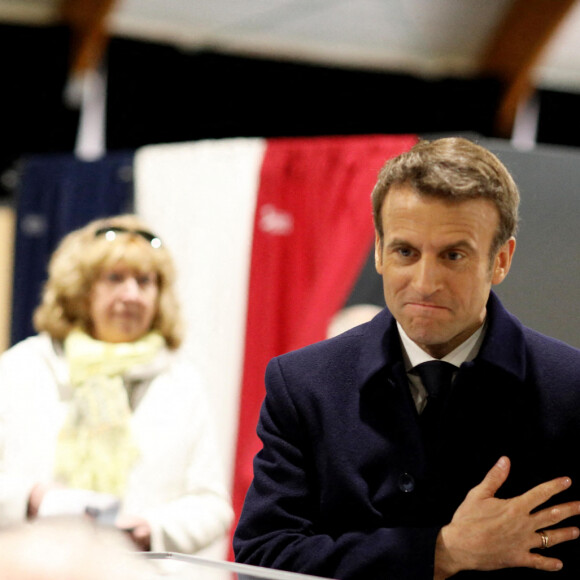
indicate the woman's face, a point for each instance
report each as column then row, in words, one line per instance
column 123, row 304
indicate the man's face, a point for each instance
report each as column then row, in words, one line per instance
column 435, row 264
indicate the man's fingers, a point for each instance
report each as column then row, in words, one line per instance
column 555, row 537
column 540, row 494
column 493, row 480
column 471, row 539
column 554, row 515
column 539, row 562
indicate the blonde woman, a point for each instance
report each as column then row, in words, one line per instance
column 98, row 414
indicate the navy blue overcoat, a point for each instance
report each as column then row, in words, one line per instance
column 342, row 487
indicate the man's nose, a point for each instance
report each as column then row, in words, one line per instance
column 427, row 276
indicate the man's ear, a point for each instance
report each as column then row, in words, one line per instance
column 503, row 261
column 378, row 253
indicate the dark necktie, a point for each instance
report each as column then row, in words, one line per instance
column 436, row 377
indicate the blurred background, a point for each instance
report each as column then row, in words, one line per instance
column 93, row 76
column 87, row 83
column 190, row 69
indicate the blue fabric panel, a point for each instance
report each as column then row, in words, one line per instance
column 58, row 194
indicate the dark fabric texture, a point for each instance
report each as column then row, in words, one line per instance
column 342, row 487
column 436, row 376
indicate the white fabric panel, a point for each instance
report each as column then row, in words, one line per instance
column 200, row 198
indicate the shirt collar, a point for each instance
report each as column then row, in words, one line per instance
column 414, row 355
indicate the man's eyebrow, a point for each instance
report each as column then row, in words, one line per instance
column 397, row 242
column 463, row 243
column 460, row 244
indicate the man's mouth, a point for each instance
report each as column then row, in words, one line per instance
column 426, row 306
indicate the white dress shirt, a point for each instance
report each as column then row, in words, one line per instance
column 414, row 355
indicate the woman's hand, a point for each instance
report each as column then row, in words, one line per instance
column 137, row 528
column 36, row 496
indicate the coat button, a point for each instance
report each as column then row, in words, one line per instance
column 406, row 482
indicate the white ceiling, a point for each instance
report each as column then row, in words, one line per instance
column 423, row 37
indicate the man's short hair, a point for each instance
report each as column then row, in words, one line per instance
column 454, row 169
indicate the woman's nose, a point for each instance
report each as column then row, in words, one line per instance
column 129, row 288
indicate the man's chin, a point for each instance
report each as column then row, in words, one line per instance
column 428, row 339
column 426, row 332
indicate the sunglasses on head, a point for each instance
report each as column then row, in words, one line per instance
column 110, row 233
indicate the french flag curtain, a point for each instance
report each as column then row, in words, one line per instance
column 269, row 237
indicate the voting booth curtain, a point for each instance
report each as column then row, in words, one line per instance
column 268, row 235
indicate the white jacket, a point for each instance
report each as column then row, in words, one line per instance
column 178, row 484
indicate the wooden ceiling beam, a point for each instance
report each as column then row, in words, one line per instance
column 516, row 48
column 87, row 20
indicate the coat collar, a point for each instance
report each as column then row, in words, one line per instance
column 503, row 345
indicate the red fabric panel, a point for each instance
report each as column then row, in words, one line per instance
column 313, row 231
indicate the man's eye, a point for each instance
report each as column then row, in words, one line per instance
column 455, row 256
column 405, row 252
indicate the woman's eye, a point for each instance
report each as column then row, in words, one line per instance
column 114, row 277
column 146, row 280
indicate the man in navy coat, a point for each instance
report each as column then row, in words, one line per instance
column 365, row 472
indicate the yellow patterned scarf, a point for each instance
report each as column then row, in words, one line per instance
column 95, row 448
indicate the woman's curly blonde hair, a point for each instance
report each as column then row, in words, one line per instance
column 79, row 260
